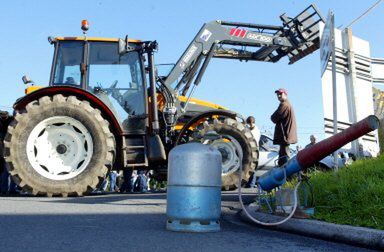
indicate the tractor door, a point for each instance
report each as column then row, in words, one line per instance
column 118, row 81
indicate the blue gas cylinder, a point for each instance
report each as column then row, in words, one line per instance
column 194, row 188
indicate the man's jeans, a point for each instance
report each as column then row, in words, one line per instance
column 252, row 180
column 7, row 184
column 4, row 181
column 112, row 180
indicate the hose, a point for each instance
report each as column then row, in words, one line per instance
column 261, row 222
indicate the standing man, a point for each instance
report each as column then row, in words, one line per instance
column 285, row 126
column 251, row 124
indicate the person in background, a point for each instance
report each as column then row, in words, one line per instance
column 140, row 184
column 7, row 186
column 312, row 140
column 119, row 179
column 251, row 124
column 104, row 185
column 134, row 177
column 112, row 181
column 149, row 175
column 285, row 126
column 127, row 185
column 363, row 152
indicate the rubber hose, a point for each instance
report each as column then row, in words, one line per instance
column 260, row 222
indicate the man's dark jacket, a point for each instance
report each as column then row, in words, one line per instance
column 285, row 128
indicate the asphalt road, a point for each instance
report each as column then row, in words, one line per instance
column 132, row 222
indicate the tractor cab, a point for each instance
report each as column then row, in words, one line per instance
column 95, row 65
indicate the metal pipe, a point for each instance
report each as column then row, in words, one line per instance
column 205, row 64
column 309, row 156
column 152, row 83
column 188, row 77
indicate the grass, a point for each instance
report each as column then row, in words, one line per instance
column 354, row 195
column 381, row 136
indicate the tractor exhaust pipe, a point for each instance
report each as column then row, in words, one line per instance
column 309, row 156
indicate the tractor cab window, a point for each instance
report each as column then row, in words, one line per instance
column 118, row 81
column 115, row 79
column 67, row 69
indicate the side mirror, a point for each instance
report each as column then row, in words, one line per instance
column 122, row 47
column 125, row 47
column 27, row 80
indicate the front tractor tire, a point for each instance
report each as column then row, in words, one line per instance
column 59, row 146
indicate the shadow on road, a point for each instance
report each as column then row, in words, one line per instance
column 114, row 198
column 111, row 198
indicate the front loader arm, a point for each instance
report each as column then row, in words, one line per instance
column 296, row 38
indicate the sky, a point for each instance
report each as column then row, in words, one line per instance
column 245, row 87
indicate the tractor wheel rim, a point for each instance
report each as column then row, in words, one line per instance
column 231, row 153
column 59, row 148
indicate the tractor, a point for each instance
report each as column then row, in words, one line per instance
column 106, row 108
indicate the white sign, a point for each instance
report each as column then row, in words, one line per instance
column 206, row 35
column 326, row 47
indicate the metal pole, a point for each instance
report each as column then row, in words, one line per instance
column 352, row 97
column 334, row 86
column 152, row 83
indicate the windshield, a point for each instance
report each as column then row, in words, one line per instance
column 116, row 79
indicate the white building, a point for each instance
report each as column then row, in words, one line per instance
column 356, row 71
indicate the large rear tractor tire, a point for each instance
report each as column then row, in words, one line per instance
column 236, row 145
column 59, row 146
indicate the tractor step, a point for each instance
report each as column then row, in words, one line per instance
column 135, row 151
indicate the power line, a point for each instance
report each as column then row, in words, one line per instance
column 365, row 13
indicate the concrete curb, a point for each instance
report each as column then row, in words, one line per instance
column 366, row 237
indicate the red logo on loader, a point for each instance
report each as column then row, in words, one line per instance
column 237, row 32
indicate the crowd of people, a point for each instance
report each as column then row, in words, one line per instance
column 128, row 181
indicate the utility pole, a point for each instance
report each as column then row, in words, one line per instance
column 334, row 85
column 327, row 51
column 352, row 84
